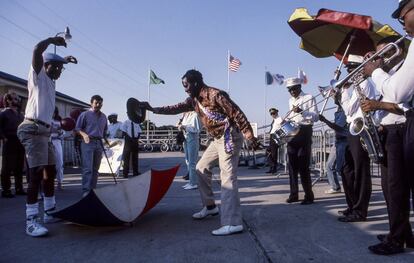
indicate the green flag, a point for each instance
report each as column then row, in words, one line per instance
column 154, row 79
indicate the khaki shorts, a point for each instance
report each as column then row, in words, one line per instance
column 37, row 144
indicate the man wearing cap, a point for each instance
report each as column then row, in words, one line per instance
column 303, row 111
column 273, row 146
column 356, row 171
column 114, row 127
column 34, row 132
column 396, row 86
column 226, row 122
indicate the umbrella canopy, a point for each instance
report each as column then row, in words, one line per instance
column 329, row 32
column 120, row 203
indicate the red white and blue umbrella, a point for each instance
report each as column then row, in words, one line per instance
column 120, row 203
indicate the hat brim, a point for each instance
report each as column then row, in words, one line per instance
column 397, row 12
column 135, row 113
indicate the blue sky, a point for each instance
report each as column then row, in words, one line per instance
column 117, row 41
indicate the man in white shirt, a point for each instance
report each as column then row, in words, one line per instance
column 34, row 132
column 396, row 86
column 356, row 171
column 114, row 127
column 131, row 132
column 303, row 111
column 273, row 146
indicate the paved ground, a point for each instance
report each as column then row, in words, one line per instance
column 276, row 232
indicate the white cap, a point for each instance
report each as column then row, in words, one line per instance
column 293, row 82
column 113, row 114
column 355, row 59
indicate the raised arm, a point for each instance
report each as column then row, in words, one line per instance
column 37, row 60
column 185, row 106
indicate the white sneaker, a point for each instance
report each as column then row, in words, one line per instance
column 186, row 185
column 191, row 187
column 34, row 228
column 227, row 230
column 332, row 191
column 206, row 212
column 47, row 218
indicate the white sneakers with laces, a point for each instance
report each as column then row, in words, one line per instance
column 191, row 187
column 34, row 228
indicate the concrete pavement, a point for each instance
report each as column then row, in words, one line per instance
column 275, row 231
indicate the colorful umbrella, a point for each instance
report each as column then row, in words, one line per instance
column 329, row 32
column 120, row 203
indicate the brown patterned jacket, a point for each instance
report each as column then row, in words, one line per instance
column 214, row 100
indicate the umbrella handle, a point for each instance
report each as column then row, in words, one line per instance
column 338, row 69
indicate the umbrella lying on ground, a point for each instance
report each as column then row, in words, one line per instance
column 329, row 32
column 120, row 203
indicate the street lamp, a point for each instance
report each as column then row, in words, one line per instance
column 66, row 35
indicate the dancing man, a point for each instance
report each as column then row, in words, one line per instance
column 226, row 122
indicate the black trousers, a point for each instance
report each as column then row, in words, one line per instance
column 273, row 154
column 299, row 154
column 12, row 164
column 130, row 153
column 357, row 177
column 395, row 183
column 409, row 151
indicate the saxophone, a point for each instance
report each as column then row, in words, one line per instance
column 365, row 126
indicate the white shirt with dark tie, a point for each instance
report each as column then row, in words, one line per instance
column 127, row 128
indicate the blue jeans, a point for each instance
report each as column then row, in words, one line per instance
column 331, row 171
column 91, row 160
column 191, row 147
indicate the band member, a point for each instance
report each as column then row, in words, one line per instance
column 396, row 89
column 57, row 137
column 92, row 126
column 226, row 123
column 356, row 172
column 131, row 132
column 273, row 148
column 13, row 152
column 304, row 112
column 114, row 127
column 341, row 132
column 34, row 132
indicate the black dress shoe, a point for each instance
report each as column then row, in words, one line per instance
column 7, row 194
column 292, row 199
column 186, row 177
column 345, row 212
column 409, row 243
column 352, row 218
column 386, row 248
column 381, row 237
column 307, row 202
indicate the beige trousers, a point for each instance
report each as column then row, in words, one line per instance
column 228, row 163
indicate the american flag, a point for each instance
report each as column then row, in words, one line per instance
column 234, row 63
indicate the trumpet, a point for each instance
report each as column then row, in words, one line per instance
column 380, row 54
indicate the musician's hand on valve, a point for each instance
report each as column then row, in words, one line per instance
column 369, row 105
column 372, row 65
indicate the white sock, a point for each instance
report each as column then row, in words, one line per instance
column 32, row 210
column 49, row 202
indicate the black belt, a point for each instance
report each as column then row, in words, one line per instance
column 38, row 122
column 95, row 138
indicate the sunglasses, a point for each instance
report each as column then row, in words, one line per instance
column 402, row 18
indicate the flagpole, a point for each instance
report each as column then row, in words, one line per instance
column 228, row 72
column 149, row 84
column 265, row 101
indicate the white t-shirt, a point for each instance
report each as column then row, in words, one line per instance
column 42, row 93
column 191, row 123
column 127, row 128
column 276, row 123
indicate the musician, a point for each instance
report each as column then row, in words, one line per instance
column 396, row 88
column 226, row 122
column 273, row 146
column 34, row 132
column 356, row 171
column 131, row 132
column 114, row 127
column 304, row 112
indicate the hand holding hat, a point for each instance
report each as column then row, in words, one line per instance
column 71, row 59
